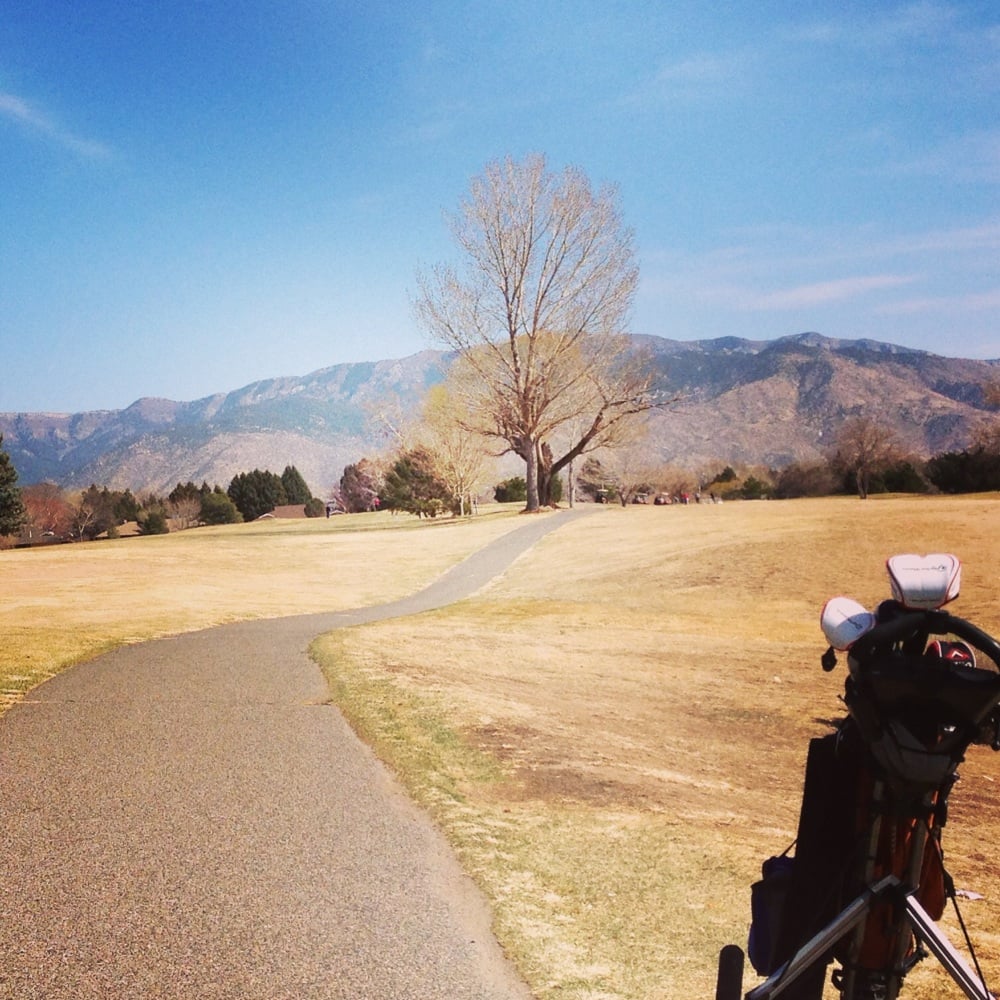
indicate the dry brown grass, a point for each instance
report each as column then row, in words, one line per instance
column 613, row 734
column 66, row 603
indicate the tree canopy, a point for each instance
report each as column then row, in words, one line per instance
column 255, row 493
column 12, row 512
column 412, row 485
column 296, row 490
column 864, row 445
column 359, row 487
column 537, row 316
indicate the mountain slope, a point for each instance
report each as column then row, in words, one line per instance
column 739, row 401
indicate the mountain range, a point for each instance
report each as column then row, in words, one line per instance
column 738, row 402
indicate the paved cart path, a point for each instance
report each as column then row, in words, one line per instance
column 187, row 818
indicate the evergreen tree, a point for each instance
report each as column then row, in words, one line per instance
column 974, row 471
column 217, row 508
column 12, row 513
column 411, row 484
column 95, row 512
column 184, row 491
column 153, row 522
column 126, row 507
column 296, row 489
column 315, row 507
column 511, row 490
column 256, row 493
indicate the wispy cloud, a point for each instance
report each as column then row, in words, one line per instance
column 849, row 280
column 972, row 158
column 883, row 28
column 27, row 115
column 825, row 292
column 697, row 76
column 973, row 302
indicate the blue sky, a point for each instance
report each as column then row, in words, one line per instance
column 196, row 195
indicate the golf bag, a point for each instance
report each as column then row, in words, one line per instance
column 866, row 881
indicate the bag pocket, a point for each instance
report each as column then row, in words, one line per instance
column 767, row 906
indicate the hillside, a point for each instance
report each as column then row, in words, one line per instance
column 740, row 401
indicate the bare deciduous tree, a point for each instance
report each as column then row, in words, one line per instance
column 458, row 452
column 49, row 511
column 185, row 510
column 536, row 315
column 865, row 445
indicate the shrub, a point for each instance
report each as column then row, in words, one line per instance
column 153, row 522
column 513, row 490
column 973, row 471
column 805, row 480
column 315, row 507
column 217, row 508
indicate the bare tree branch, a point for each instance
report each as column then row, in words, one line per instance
column 537, row 313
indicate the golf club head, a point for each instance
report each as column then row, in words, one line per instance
column 844, row 621
column 924, row 583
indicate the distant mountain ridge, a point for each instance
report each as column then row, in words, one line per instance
column 740, row 401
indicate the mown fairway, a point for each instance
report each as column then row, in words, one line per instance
column 612, row 735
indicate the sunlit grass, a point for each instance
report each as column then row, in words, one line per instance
column 645, row 683
column 66, row 603
column 611, row 736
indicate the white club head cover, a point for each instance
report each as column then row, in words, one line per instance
column 844, row 621
column 924, row 583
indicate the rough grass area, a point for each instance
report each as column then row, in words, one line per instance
column 613, row 734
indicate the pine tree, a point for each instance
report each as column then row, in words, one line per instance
column 256, row 493
column 12, row 512
column 412, row 484
column 296, row 490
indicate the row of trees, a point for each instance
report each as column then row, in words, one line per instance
column 866, row 458
column 415, row 479
column 869, row 458
column 413, row 483
column 45, row 512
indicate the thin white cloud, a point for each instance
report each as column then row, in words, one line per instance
column 910, row 21
column 974, row 302
column 973, row 158
column 699, row 76
column 964, row 239
column 823, row 292
column 884, row 28
column 24, row 113
column 698, row 69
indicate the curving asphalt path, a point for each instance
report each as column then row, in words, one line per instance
column 188, row 818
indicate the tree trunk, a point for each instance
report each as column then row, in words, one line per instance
column 530, row 457
column 544, row 487
column 544, row 475
column 861, row 477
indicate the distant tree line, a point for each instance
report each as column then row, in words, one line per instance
column 45, row 512
column 438, row 466
column 866, row 458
